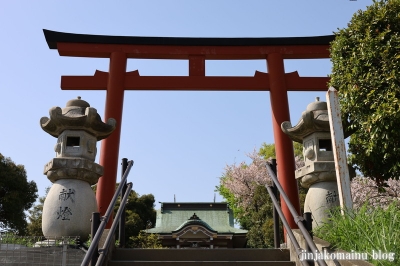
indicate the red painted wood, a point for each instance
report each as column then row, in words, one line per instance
column 183, row 52
column 283, row 144
column 260, row 82
column 197, row 65
column 276, row 81
column 110, row 146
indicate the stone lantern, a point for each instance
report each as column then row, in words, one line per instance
column 318, row 174
column 70, row 202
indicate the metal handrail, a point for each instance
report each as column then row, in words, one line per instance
column 105, row 248
column 297, row 218
column 122, row 221
column 286, row 225
column 104, row 220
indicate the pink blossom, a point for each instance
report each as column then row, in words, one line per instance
column 242, row 180
column 365, row 189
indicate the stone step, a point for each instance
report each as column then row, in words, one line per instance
column 225, row 255
column 198, row 257
column 201, row 263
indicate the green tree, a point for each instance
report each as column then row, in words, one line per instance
column 34, row 227
column 366, row 72
column 144, row 240
column 16, row 195
column 268, row 150
column 140, row 215
column 260, row 223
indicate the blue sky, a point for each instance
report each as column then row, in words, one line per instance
column 180, row 141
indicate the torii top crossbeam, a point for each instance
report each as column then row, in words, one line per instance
column 196, row 51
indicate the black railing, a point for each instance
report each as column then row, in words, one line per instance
column 94, row 255
column 277, row 235
column 122, row 221
column 299, row 220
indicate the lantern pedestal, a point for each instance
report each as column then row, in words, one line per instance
column 68, row 209
column 321, row 197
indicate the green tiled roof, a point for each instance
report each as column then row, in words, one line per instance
column 214, row 216
column 194, row 222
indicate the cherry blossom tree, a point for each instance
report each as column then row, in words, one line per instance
column 366, row 190
column 242, row 180
column 243, row 186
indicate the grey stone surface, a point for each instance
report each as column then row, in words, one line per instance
column 73, row 168
column 314, row 119
column 70, row 202
column 321, row 197
column 198, row 256
column 68, row 208
column 315, row 172
column 77, row 115
column 76, row 143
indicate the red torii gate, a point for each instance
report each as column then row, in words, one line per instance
column 196, row 51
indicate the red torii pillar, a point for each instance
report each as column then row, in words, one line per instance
column 283, row 144
column 110, row 148
column 196, row 51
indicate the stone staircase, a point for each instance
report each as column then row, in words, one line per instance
column 209, row 257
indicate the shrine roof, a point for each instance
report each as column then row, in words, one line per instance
column 214, row 216
column 54, row 37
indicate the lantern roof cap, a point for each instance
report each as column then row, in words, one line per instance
column 314, row 119
column 317, row 105
column 77, row 102
column 77, row 115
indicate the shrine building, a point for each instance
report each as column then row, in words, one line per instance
column 197, row 225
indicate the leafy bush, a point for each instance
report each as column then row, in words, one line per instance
column 144, row 240
column 366, row 72
column 12, row 238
